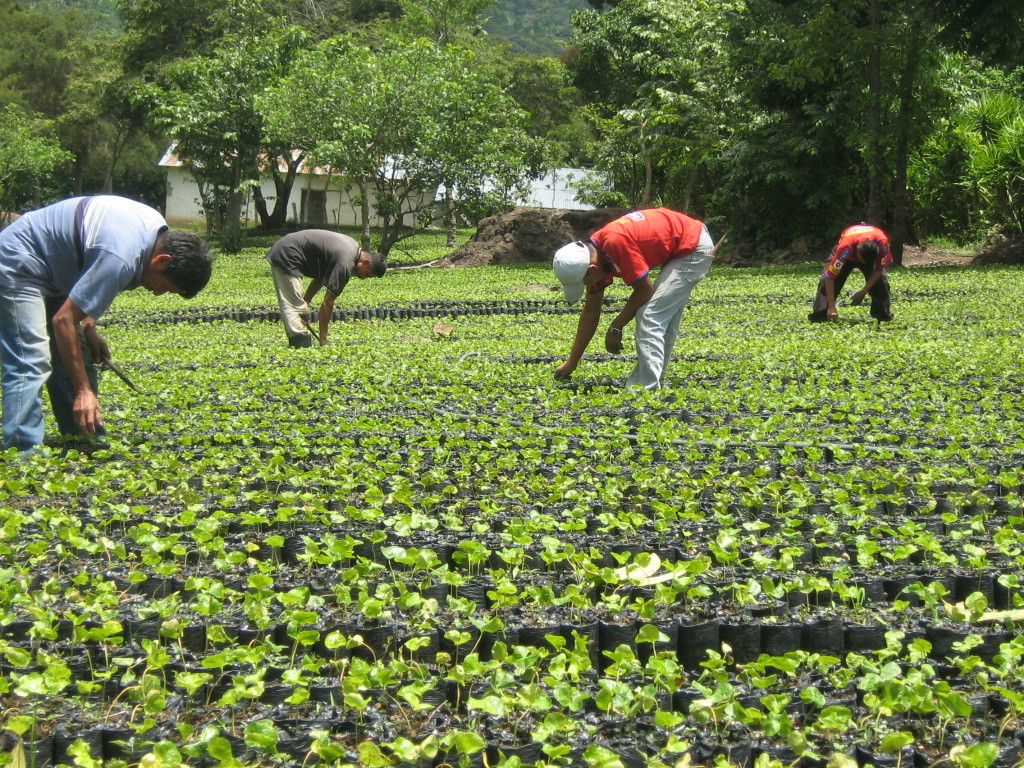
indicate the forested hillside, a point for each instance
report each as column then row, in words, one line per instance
column 533, row 26
column 526, row 26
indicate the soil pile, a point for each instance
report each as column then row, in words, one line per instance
column 527, row 235
column 1003, row 252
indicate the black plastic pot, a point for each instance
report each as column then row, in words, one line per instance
column 779, row 639
column 695, row 640
column 861, row 638
column 743, row 639
column 825, row 636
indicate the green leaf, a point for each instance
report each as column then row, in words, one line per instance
column 263, row 735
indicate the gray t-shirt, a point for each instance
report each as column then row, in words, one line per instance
column 329, row 257
column 114, row 242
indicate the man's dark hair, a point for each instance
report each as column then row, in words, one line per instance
column 868, row 249
column 191, row 263
column 378, row 263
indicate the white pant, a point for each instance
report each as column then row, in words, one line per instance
column 290, row 298
column 657, row 321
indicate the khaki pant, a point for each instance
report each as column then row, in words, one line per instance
column 294, row 310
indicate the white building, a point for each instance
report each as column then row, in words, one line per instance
column 318, row 198
column 558, row 188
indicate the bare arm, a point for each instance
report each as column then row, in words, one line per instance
column 643, row 289
column 830, row 294
column 584, row 333
column 312, row 290
column 65, row 330
column 325, row 315
column 858, row 297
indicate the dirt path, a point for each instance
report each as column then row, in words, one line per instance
column 916, row 256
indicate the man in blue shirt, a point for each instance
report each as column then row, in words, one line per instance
column 60, row 268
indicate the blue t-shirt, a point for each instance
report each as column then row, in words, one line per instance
column 115, row 242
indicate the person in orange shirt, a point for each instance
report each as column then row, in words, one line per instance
column 629, row 248
column 862, row 247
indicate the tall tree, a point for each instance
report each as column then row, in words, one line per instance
column 211, row 105
column 444, row 21
column 554, row 106
column 398, row 121
column 159, row 31
column 856, row 74
column 59, row 62
column 651, row 69
column 29, row 154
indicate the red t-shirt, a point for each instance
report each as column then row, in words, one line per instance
column 644, row 239
column 846, row 249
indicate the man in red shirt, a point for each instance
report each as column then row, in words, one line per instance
column 629, row 248
column 862, row 247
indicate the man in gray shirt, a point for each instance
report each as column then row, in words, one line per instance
column 60, row 268
column 330, row 259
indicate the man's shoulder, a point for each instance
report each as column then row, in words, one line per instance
column 120, row 204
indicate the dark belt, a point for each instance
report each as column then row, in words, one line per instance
column 79, row 222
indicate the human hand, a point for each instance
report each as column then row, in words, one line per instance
column 613, row 340
column 98, row 345
column 87, row 412
column 832, row 314
column 564, row 371
column 857, row 298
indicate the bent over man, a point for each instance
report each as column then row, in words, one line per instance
column 330, row 259
column 629, row 248
column 60, row 268
column 862, row 247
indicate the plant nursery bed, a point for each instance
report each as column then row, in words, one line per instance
column 414, row 547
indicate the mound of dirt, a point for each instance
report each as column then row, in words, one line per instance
column 527, row 235
column 1004, row 252
column 533, row 235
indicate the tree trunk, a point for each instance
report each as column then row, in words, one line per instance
column 232, row 235
column 875, row 210
column 120, row 139
column 284, row 188
column 900, row 231
column 449, row 217
column 645, row 198
column 690, row 183
column 283, row 185
column 260, row 202
column 79, row 173
column 364, row 193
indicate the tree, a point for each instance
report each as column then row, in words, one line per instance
column 443, row 21
column 65, row 64
column 969, row 174
column 29, row 154
column 554, row 106
column 396, row 123
column 651, row 71
column 160, row 31
column 856, row 74
column 532, row 26
column 211, row 105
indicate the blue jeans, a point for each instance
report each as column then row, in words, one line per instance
column 28, row 360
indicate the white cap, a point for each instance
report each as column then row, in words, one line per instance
column 570, row 263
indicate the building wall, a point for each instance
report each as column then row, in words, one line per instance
column 321, row 193
column 182, row 206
